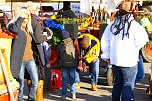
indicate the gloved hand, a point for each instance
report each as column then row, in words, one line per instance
column 49, row 37
column 48, row 33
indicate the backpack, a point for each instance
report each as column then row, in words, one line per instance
column 67, row 53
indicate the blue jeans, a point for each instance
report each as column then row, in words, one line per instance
column 140, row 73
column 77, row 78
column 124, row 83
column 32, row 70
column 68, row 73
column 46, row 54
column 94, row 72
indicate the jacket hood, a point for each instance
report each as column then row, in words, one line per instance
column 67, row 41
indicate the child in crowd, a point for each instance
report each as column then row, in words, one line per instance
column 46, row 46
column 67, row 55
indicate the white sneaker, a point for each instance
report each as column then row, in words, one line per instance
column 73, row 96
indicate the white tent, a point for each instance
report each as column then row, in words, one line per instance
column 108, row 4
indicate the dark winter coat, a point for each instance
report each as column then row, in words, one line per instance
column 67, row 13
column 18, row 47
column 67, row 57
column 39, row 39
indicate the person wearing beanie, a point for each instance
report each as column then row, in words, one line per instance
column 65, row 34
column 66, row 11
column 88, row 47
column 67, row 55
column 120, row 44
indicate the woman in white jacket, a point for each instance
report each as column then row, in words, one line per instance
column 120, row 44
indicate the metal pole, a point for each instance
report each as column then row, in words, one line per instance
column 11, row 8
column 41, row 12
column 58, row 5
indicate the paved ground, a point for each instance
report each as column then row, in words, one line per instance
column 103, row 93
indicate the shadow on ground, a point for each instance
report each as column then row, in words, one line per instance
column 102, row 94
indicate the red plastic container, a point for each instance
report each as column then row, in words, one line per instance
column 56, row 79
column 54, row 58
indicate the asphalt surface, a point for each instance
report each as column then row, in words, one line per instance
column 102, row 94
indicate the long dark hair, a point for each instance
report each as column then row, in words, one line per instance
column 121, row 19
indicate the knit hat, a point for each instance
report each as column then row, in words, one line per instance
column 85, row 41
column 65, row 34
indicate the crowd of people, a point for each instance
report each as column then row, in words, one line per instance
column 120, row 45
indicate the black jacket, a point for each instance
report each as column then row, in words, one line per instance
column 39, row 38
column 67, row 54
column 67, row 13
column 18, row 47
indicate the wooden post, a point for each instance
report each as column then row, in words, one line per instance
column 0, row 29
column 11, row 8
column 58, row 5
column 41, row 12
